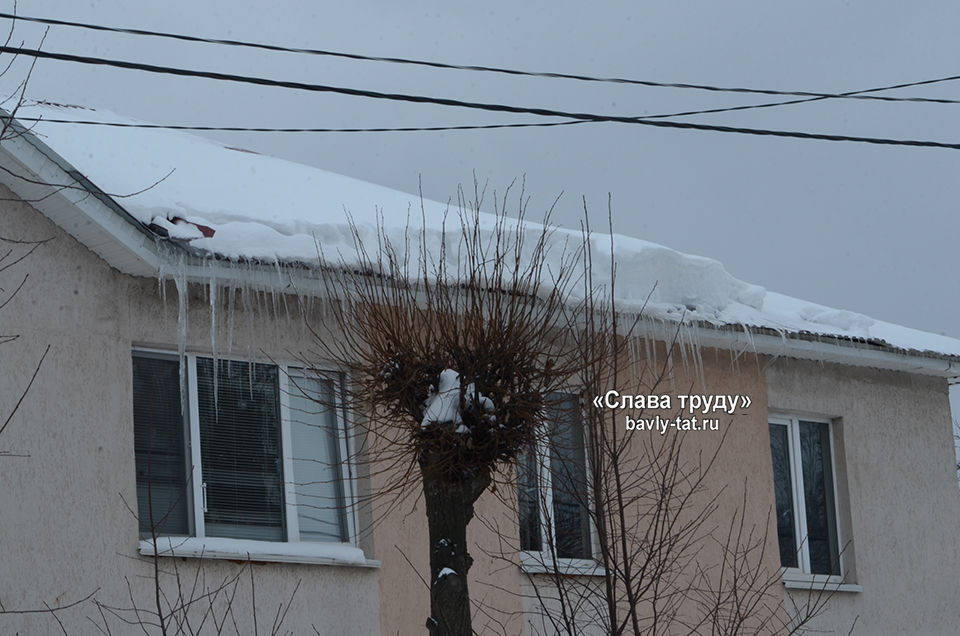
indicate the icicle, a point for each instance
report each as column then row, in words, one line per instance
column 212, row 295
column 162, row 287
column 671, row 371
column 692, row 353
column 214, row 327
column 681, row 345
column 258, row 317
column 750, row 343
column 654, row 326
column 756, row 358
column 647, row 341
column 698, row 355
column 638, row 352
column 275, row 308
column 180, row 281
column 231, row 292
column 248, row 312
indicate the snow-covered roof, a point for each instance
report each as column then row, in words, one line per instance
column 242, row 205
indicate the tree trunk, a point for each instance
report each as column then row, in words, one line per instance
column 449, row 510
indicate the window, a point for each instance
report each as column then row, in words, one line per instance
column 804, row 485
column 161, row 447
column 553, row 486
column 255, row 452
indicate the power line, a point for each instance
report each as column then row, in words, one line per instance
column 670, row 124
column 686, row 113
column 210, row 128
column 810, row 97
column 442, row 101
column 860, row 94
column 116, row 124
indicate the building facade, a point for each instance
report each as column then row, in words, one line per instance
column 180, row 385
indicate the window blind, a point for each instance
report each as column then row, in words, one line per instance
column 241, row 454
column 163, row 499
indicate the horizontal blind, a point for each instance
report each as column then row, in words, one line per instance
column 159, row 442
column 241, row 455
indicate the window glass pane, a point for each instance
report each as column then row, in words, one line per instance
column 818, row 492
column 240, row 449
column 158, row 431
column 783, row 490
column 568, row 474
column 316, row 461
column 529, row 501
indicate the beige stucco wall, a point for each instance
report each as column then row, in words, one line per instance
column 64, row 506
column 64, row 527
column 67, row 533
column 902, row 498
column 740, row 483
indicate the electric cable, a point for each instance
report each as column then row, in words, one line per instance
column 442, row 101
column 859, row 94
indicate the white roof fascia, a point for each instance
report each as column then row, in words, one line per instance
column 103, row 226
column 76, row 205
column 836, row 350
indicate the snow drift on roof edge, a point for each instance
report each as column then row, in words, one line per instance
column 266, row 208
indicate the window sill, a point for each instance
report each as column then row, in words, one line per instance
column 240, row 549
column 818, row 582
column 543, row 563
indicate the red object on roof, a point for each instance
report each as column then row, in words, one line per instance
column 206, row 230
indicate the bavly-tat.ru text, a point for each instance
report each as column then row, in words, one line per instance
column 661, row 424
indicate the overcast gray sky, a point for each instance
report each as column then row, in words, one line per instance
column 873, row 229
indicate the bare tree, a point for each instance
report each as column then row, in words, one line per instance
column 12, row 252
column 676, row 552
column 186, row 598
column 455, row 338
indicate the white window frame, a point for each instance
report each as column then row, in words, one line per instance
column 292, row 549
column 542, row 561
column 801, row 576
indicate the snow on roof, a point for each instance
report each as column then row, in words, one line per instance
column 264, row 208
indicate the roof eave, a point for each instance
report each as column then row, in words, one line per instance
column 40, row 177
column 832, row 349
column 28, row 167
